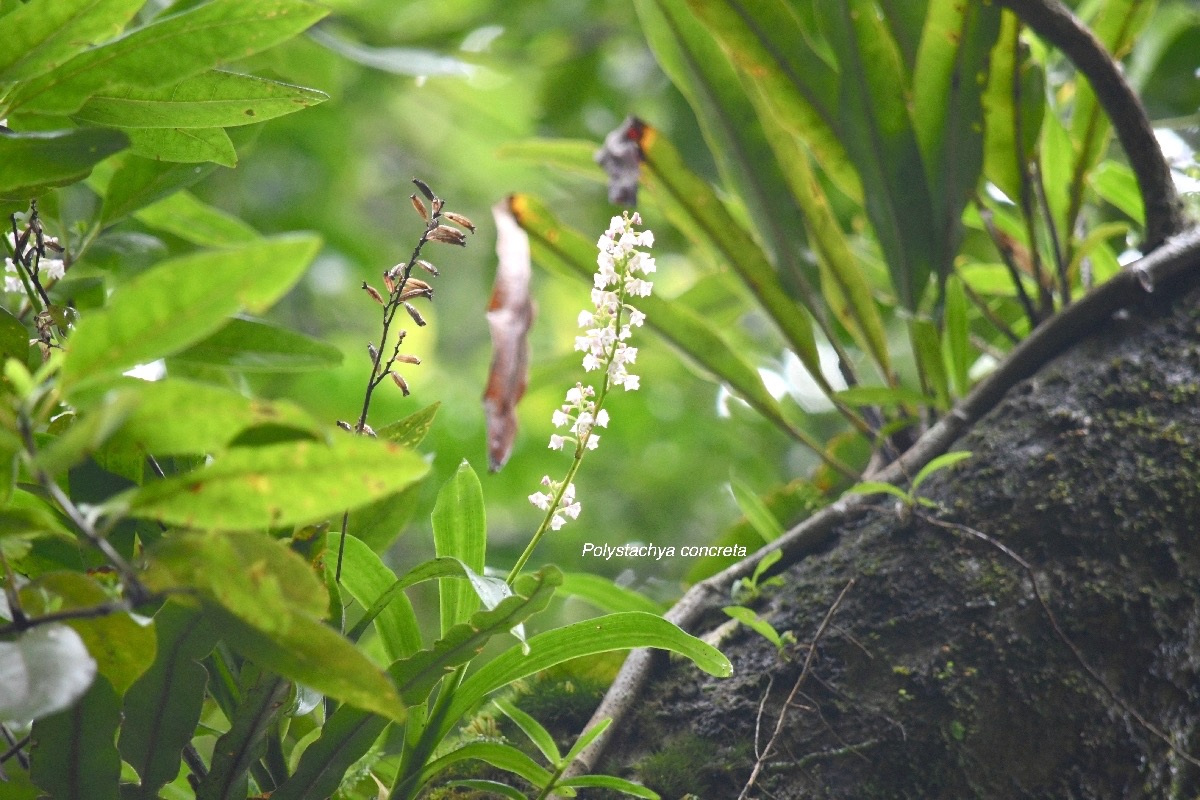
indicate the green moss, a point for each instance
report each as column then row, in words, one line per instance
column 684, row 765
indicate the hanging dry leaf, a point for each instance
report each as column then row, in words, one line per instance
column 509, row 315
column 621, row 158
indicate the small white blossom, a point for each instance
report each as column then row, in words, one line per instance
column 54, row 268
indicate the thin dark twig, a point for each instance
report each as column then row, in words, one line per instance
column 1062, row 636
column 90, row 612
column 808, row 662
column 1056, row 247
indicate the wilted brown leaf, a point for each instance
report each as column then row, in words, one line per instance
column 509, row 315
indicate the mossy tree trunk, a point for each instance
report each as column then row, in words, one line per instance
column 941, row 673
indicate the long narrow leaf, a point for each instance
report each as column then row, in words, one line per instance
column 345, row 738
column 367, row 578
column 459, row 531
column 244, row 743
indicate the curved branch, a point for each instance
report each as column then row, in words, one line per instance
column 1055, row 23
column 1180, row 257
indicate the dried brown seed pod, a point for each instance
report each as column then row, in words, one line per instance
column 399, row 381
column 405, row 358
column 416, row 315
column 444, row 233
column 459, row 219
column 430, row 268
column 371, row 291
column 373, row 353
column 419, row 206
column 424, row 187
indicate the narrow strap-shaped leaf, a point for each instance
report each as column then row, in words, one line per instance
column 504, row 756
column 533, row 729
column 161, row 710
column 613, row 783
column 459, row 531
column 416, row 676
column 245, row 741
column 605, row 595
column 1013, row 104
column 956, row 342
column 345, row 738
column 425, row 571
column 368, row 579
column 948, row 86
column 74, row 754
column 623, row 631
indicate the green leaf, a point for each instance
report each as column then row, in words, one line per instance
column 885, row 396
column 533, row 729
column 14, row 338
column 80, row 435
column 24, row 512
column 417, row 675
column 411, row 430
column 795, row 86
column 1115, row 183
column 122, row 648
column 367, row 579
column 611, row 783
column 756, row 511
column 31, row 162
column 600, row 635
column 169, row 50
column 42, row 34
column 931, row 365
column 214, row 99
column 948, row 85
column 379, row 523
column 175, row 416
column 425, row 571
column 877, row 130
column 163, row 706
column 941, row 462
column 244, row 744
column 193, row 220
column 709, row 215
column 274, row 485
column 878, row 487
column 1013, row 104
column 490, row 788
column 459, row 531
column 571, row 156
column 140, row 182
column 250, row 345
column 956, row 341
column 345, row 738
column 585, row 739
column 502, row 756
column 606, row 595
column 74, row 752
column 46, row 669
column 183, row 145
column 180, row 301
column 754, row 622
column 765, row 563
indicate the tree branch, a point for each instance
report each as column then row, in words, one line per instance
column 1180, row 257
column 1055, row 23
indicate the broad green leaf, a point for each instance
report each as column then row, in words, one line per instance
column 176, row 416
column 941, row 462
column 795, row 85
column 163, row 706
column 417, row 675
column 605, row 595
column 183, row 145
column 411, row 430
column 379, row 523
column 502, row 756
column 44, row 670
column 181, row 301
column 14, row 338
column 885, row 396
column 426, row 571
column 345, row 738
column 1115, row 183
column 244, row 744
column 704, row 75
column 601, row 635
column 193, row 220
column 81, row 434
column 214, row 99
column 755, row 623
column 873, row 119
column 274, row 485
column 251, row 345
column 956, row 341
column 756, row 511
column 169, row 50
column 726, row 235
column 948, row 85
column 42, row 34
column 122, row 648
column 31, row 162
column 533, row 729
column 612, row 783
column 459, row 531
column 140, row 182
column 24, row 513
column 75, row 753
column 687, row 331
column 367, row 578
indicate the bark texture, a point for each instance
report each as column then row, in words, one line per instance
column 941, row 674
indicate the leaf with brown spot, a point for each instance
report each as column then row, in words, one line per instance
column 509, row 315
